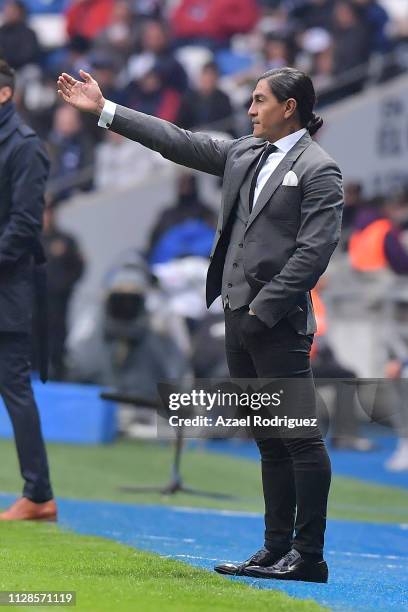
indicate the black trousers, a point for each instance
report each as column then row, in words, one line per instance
column 296, row 471
column 16, row 391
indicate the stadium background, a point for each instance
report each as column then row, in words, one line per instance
column 128, row 237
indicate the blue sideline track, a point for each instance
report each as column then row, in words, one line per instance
column 368, row 562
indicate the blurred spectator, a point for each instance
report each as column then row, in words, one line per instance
column 129, row 339
column 119, row 38
column 212, row 23
column 116, row 160
column 206, row 106
column 37, row 102
column 18, row 42
column 380, row 238
column 376, row 17
column 354, row 204
column 71, row 154
column 104, row 66
column 73, row 57
column 313, row 13
column 366, row 244
column 149, row 9
column 187, row 228
column 277, row 52
column 148, row 93
column 65, row 267
column 316, row 56
column 155, row 48
column 88, row 18
column 351, row 50
column 396, row 239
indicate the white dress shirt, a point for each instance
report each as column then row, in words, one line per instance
column 107, row 114
column 284, row 145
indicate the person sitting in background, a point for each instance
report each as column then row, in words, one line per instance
column 71, row 155
column 377, row 18
column 119, row 38
column 19, row 45
column 129, row 338
column 148, row 93
column 206, row 106
column 65, row 266
column 188, row 218
column 88, row 18
column 275, row 51
column 354, row 203
column 76, row 54
column 351, row 49
column 155, row 49
column 396, row 239
column 312, row 13
column 366, row 243
column 212, row 23
column 380, row 239
column 105, row 64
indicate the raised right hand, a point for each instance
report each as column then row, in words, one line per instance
column 84, row 95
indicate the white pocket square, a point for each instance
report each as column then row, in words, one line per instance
column 290, row 179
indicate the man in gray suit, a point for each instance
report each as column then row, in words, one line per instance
column 278, row 226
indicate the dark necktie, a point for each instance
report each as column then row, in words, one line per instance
column 269, row 149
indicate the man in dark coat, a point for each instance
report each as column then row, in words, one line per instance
column 23, row 173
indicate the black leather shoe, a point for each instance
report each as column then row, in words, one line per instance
column 261, row 558
column 291, row 567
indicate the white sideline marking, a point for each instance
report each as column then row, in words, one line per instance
column 365, row 555
column 167, row 538
column 217, row 512
column 191, row 557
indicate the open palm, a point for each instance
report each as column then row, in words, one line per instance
column 84, row 95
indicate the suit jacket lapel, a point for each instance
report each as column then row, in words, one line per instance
column 278, row 175
column 237, row 176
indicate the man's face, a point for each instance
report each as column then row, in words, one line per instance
column 6, row 94
column 269, row 116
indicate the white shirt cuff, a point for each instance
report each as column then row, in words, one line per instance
column 107, row 114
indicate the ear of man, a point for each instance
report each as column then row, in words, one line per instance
column 291, row 108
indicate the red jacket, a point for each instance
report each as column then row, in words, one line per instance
column 216, row 19
column 88, row 17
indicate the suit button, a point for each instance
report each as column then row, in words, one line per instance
column 229, row 285
column 240, row 245
column 108, row 125
column 235, row 265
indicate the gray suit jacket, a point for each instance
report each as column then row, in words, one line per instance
column 292, row 231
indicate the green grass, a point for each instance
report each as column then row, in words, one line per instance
column 89, row 472
column 110, row 576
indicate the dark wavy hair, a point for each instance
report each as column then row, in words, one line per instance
column 287, row 83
